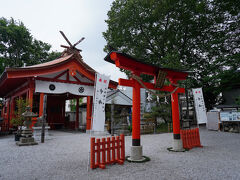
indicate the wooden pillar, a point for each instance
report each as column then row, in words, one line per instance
column 77, row 115
column 175, row 116
column 31, row 92
column 41, row 104
column 30, row 97
column 89, row 112
column 8, row 114
column 136, row 114
column 64, row 112
column 11, row 108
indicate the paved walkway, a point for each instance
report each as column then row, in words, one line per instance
column 65, row 156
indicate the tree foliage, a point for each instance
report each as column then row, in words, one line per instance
column 73, row 104
column 17, row 46
column 200, row 36
column 21, row 105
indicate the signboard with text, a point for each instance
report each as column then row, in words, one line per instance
column 100, row 95
column 230, row 116
column 199, row 106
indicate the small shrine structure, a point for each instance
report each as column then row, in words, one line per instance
column 67, row 77
column 137, row 68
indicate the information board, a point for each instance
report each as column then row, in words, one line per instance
column 230, row 116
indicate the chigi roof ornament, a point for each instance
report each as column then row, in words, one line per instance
column 71, row 49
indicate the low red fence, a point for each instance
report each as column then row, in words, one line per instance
column 190, row 138
column 107, row 151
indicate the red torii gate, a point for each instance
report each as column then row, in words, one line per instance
column 137, row 68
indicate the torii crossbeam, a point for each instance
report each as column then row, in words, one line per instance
column 137, row 68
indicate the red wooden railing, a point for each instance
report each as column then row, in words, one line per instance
column 107, row 151
column 190, row 138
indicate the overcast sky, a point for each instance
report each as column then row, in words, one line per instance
column 76, row 18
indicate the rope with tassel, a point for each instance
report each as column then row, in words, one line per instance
column 139, row 80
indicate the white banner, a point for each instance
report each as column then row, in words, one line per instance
column 60, row 88
column 101, row 87
column 199, row 106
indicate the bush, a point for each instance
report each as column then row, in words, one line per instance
column 18, row 119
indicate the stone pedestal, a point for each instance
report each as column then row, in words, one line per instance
column 26, row 138
column 136, row 154
column 37, row 131
column 177, row 145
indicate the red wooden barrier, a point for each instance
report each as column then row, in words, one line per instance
column 190, row 138
column 114, row 148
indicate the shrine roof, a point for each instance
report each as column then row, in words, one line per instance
column 132, row 63
column 55, row 62
column 14, row 77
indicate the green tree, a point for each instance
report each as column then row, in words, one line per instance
column 73, row 104
column 200, row 36
column 21, row 105
column 17, row 46
column 237, row 100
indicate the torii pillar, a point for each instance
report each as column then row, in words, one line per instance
column 136, row 113
column 177, row 141
column 136, row 148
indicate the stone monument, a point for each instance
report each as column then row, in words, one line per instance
column 27, row 138
column 124, row 123
column 37, row 129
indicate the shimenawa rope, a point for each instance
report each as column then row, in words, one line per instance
column 139, row 80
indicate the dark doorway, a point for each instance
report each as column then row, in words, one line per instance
column 56, row 111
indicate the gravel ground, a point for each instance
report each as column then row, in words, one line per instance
column 65, row 156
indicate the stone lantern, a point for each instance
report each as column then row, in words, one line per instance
column 27, row 134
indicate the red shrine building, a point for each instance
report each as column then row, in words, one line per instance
column 68, row 77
